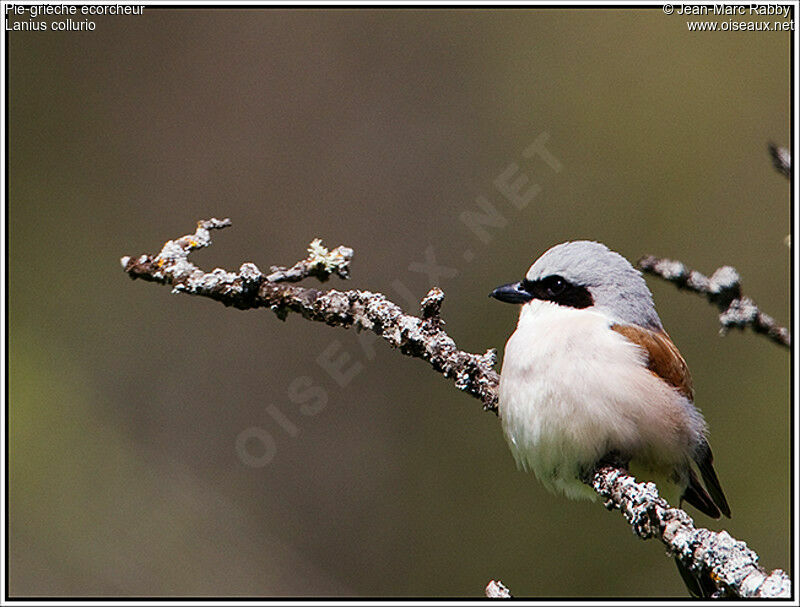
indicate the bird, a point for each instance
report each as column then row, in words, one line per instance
column 590, row 376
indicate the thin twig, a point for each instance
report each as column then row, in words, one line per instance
column 730, row 564
column 497, row 590
column 724, row 290
column 781, row 159
column 249, row 288
column 320, row 263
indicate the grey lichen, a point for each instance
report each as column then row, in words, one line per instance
column 330, row 261
column 249, row 288
column 729, row 563
column 431, row 304
column 781, row 159
column 320, row 263
column 495, row 589
column 723, row 289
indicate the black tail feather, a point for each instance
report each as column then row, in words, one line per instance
column 699, row 586
column 697, row 496
column 705, row 460
column 688, row 578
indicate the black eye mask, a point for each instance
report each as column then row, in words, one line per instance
column 551, row 288
column 559, row 290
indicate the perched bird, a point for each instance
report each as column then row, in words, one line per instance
column 590, row 376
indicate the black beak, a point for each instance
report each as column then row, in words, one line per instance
column 513, row 292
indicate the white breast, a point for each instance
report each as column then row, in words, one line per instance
column 572, row 390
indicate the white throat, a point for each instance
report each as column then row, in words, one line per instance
column 572, row 390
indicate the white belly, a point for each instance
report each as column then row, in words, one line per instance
column 572, row 390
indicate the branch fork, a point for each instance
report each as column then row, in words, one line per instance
column 724, row 290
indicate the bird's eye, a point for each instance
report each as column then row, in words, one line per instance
column 555, row 286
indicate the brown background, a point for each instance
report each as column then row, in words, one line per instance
column 376, row 129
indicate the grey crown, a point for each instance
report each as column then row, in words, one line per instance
column 617, row 288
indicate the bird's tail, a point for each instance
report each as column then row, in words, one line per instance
column 700, row 586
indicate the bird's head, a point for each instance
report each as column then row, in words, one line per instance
column 583, row 274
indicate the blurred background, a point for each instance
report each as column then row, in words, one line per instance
column 154, row 447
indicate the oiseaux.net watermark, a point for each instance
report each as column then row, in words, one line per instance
column 514, row 188
column 741, row 17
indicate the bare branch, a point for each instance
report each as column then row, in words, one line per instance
column 320, row 263
column 497, row 590
column 249, row 288
column 722, row 289
column 781, row 159
column 729, row 564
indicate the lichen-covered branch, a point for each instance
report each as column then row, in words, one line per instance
column 781, row 159
column 495, row 589
column 320, row 263
column 730, row 564
column 250, row 288
column 724, row 290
